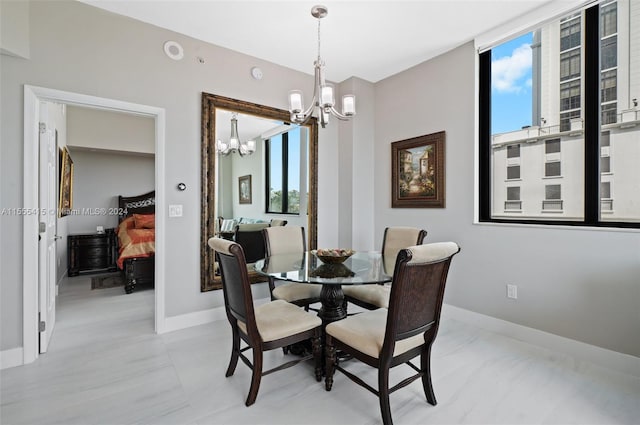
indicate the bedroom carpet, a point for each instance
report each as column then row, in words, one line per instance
column 107, row 281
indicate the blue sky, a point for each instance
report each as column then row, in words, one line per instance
column 276, row 161
column 511, row 85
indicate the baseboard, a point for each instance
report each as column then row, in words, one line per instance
column 11, row 358
column 623, row 363
column 183, row 321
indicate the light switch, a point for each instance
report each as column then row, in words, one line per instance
column 175, row 210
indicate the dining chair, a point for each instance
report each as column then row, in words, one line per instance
column 372, row 297
column 275, row 324
column 385, row 338
column 250, row 237
column 289, row 240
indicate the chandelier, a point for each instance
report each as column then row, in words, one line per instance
column 234, row 144
column 323, row 100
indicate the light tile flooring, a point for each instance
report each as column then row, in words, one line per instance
column 106, row 366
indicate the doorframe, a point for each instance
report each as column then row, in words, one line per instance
column 32, row 97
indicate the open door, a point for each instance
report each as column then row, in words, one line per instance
column 47, row 238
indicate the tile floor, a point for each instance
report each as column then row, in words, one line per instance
column 106, row 366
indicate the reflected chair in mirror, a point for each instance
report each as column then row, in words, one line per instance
column 289, row 240
column 377, row 296
column 275, row 324
column 385, row 338
column 251, row 239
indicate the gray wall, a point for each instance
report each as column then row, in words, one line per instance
column 82, row 49
column 99, row 177
column 582, row 284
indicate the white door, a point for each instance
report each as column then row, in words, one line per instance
column 48, row 184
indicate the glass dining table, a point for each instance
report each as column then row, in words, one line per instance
column 362, row 268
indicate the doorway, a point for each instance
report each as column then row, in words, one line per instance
column 31, row 258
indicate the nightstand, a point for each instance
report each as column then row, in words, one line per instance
column 92, row 252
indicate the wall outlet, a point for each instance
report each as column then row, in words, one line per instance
column 512, row 291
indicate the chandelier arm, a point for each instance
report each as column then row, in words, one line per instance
column 339, row 115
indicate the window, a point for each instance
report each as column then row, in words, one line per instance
column 513, row 199
column 552, row 146
column 513, row 172
column 552, row 198
column 552, row 169
column 567, row 73
column 282, row 154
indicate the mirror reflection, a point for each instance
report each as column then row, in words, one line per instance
column 258, row 169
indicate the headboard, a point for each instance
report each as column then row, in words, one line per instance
column 141, row 204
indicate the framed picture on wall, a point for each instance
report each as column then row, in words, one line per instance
column 417, row 172
column 244, row 189
column 65, row 202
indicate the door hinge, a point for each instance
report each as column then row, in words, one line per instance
column 43, row 127
column 41, row 324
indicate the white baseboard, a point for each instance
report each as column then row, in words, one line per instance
column 183, row 321
column 11, row 358
column 623, row 363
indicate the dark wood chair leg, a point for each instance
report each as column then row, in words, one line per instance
column 316, row 347
column 255, row 376
column 235, row 352
column 383, row 394
column 330, row 361
column 425, row 366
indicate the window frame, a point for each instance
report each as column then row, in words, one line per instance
column 592, row 131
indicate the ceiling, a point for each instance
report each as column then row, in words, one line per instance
column 367, row 39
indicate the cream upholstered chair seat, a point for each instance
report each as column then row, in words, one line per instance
column 279, row 319
column 292, row 292
column 365, row 332
column 377, row 295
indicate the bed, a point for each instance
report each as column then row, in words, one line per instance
column 136, row 240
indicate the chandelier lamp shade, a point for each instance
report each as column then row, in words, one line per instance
column 323, row 102
column 234, row 144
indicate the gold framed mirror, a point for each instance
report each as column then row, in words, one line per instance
column 212, row 107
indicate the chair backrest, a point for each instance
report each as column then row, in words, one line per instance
column 236, row 288
column 397, row 238
column 250, row 237
column 284, row 240
column 417, row 292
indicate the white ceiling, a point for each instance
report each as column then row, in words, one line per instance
column 367, row 39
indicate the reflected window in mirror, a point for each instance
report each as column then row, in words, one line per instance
column 285, row 184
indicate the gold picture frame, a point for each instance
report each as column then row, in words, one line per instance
column 418, row 173
column 65, row 202
column 244, row 189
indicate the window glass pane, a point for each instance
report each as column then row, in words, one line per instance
column 604, row 138
column 513, row 151
column 513, row 172
column 609, row 85
column 513, row 193
column 605, row 190
column 552, row 169
column 608, row 19
column 275, row 174
column 294, row 171
column 609, row 52
column 605, row 164
column 552, row 191
column 552, row 146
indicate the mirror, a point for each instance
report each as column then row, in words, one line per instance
column 222, row 198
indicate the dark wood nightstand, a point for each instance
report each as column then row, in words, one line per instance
column 92, row 252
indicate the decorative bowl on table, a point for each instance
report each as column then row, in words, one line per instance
column 333, row 256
